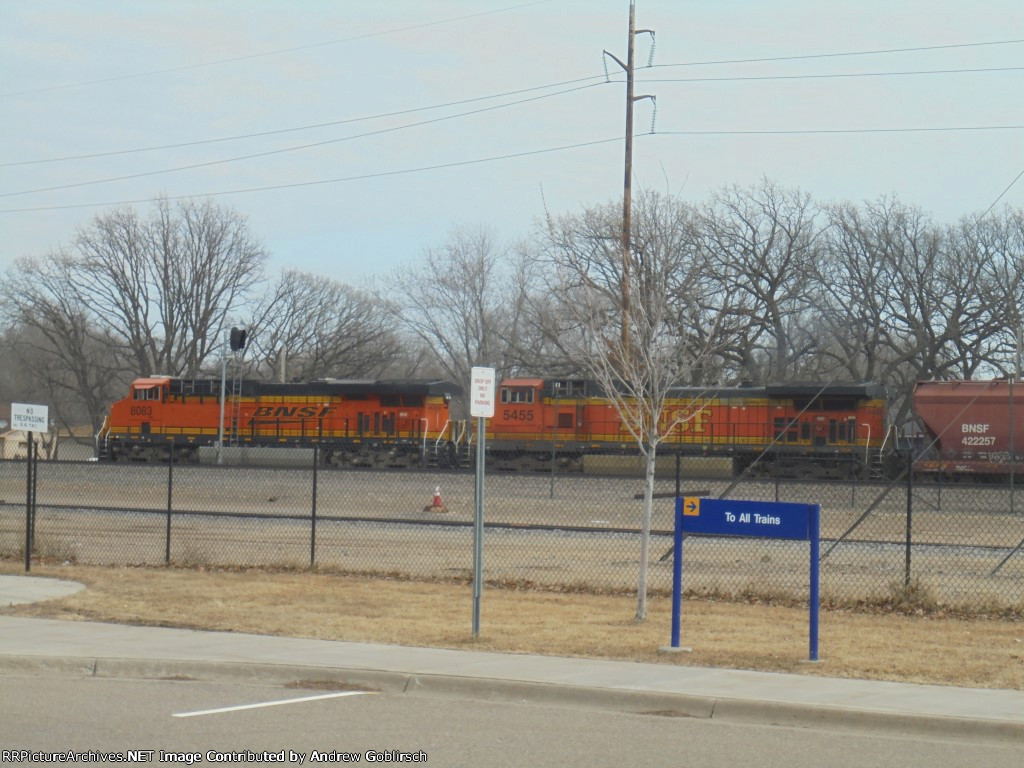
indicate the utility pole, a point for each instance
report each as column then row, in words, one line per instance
column 627, row 180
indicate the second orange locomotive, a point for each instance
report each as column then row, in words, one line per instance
column 806, row 429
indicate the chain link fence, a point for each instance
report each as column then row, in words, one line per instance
column 962, row 545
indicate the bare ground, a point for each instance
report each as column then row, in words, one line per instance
column 909, row 641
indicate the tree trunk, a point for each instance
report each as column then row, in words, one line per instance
column 645, row 533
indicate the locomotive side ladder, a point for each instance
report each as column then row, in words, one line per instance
column 236, row 403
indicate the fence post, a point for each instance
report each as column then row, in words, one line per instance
column 35, row 487
column 29, row 483
column 775, row 472
column 554, row 463
column 679, row 476
column 170, row 496
column 910, row 513
column 312, row 527
column 1013, row 455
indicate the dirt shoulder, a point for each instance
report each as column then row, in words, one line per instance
column 879, row 645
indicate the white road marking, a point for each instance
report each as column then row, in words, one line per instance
column 272, row 703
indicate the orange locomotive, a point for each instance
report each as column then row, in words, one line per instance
column 355, row 422
column 807, row 430
column 818, row 427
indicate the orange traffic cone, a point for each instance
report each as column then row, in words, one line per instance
column 436, row 505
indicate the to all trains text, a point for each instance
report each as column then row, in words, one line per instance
column 754, row 517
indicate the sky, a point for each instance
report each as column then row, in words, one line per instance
column 386, row 126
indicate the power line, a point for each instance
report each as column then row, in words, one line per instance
column 264, row 54
column 827, row 131
column 792, row 132
column 832, row 76
column 295, row 148
column 509, row 156
column 294, row 185
column 875, row 52
column 296, row 129
column 1001, row 194
column 413, row 110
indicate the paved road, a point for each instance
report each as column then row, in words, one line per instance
column 80, row 651
column 211, row 721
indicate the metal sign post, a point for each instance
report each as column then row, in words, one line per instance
column 759, row 519
column 31, row 419
column 481, row 406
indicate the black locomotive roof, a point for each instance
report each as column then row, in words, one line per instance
column 863, row 389
column 860, row 391
column 579, row 387
column 344, row 387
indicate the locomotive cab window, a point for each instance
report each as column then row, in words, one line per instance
column 146, row 393
column 785, row 429
column 510, row 395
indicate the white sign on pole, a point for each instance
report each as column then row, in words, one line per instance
column 481, row 393
column 30, row 418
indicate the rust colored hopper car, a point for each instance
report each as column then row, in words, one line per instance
column 971, row 427
column 354, row 422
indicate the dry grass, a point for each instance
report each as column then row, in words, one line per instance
column 879, row 644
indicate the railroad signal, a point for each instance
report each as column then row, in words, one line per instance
column 238, row 336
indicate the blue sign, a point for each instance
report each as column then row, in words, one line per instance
column 762, row 519
column 728, row 517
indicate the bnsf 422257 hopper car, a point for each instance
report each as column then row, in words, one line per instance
column 972, row 428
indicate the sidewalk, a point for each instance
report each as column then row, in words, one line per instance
column 39, row 646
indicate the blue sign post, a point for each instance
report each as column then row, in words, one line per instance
column 761, row 519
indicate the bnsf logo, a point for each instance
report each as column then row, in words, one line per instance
column 288, row 412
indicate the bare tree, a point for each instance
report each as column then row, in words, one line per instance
column 163, row 287
column 639, row 372
column 935, row 323
column 130, row 297
column 307, row 326
column 904, row 299
column 763, row 244
column 55, row 340
column 465, row 302
column 853, row 283
column 996, row 244
column 973, row 322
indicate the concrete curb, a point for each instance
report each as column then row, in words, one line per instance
column 652, row 703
